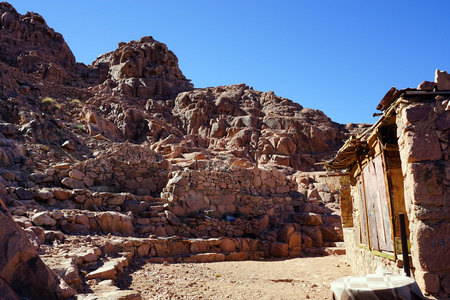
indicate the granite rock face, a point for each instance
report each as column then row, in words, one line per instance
column 143, row 69
column 54, row 100
column 28, row 43
column 259, row 126
column 21, row 268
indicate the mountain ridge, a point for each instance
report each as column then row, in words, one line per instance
column 116, row 85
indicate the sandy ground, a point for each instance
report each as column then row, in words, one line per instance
column 299, row 278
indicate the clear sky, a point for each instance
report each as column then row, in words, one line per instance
column 340, row 57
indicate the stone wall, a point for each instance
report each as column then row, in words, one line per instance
column 424, row 133
column 123, row 168
column 363, row 261
column 238, row 190
column 129, row 191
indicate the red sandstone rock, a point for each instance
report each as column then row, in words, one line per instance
column 227, row 245
column 315, row 234
column 331, row 234
column 434, row 239
column 73, row 183
column 295, row 240
column 427, row 86
column 43, row 218
column 309, row 219
column 21, row 268
column 29, row 44
column 442, row 79
column 279, row 249
column 143, row 68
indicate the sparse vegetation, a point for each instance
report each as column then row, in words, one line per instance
column 50, row 103
column 74, row 101
column 79, row 126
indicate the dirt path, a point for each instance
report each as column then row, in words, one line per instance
column 299, row 278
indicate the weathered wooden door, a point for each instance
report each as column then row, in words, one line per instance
column 377, row 201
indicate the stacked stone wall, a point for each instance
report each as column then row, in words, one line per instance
column 246, row 191
column 130, row 191
column 424, row 134
column 124, row 168
column 362, row 261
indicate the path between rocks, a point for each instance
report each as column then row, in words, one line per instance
column 299, row 278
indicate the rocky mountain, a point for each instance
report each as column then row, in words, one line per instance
column 138, row 93
column 28, row 44
column 128, row 147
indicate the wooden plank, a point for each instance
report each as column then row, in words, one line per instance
column 377, row 205
column 395, row 177
column 370, row 190
column 363, row 220
column 362, row 213
column 392, row 159
column 377, row 198
column 384, row 255
column 384, row 207
column 334, row 175
column 390, row 206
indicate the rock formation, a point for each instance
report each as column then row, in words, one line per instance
column 143, row 69
column 125, row 159
column 28, row 44
column 22, row 272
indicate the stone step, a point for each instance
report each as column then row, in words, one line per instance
column 157, row 208
column 208, row 257
column 110, row 269
column 113, row 293
column 334, row 251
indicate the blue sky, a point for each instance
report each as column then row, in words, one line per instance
column 340, row 57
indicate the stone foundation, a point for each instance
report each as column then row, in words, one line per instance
column 362, row 261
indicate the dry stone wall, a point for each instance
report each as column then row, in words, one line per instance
column 247, row 191
column 126, row 168
column 424, row 135
column 126, row 191
column 21, row 267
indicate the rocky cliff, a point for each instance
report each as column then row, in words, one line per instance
column 128, row 147
column 27, row 43
column 138, row 93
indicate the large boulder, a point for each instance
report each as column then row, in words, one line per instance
column 21, row 268
column 115, row 223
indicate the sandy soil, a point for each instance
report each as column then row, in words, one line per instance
column 299, row 278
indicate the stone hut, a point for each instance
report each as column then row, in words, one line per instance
column 401, row 165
